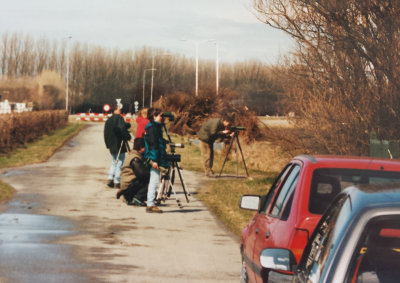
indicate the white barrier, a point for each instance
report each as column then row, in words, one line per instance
column 99, row 117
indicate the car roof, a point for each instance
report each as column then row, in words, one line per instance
column 373, row 196
column 357, row 162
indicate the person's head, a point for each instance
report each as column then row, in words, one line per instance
column 116, row 109
column 138, row 144
column 143, row 113
column 226, row 120
column 154, row 114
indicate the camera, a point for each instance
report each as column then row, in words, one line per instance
column 237, row 128
column 178, row 145
column 168, row 115
column 173, row 157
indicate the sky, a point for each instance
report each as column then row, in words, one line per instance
column 175, row 26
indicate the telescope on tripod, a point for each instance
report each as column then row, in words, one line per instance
column 166, row 187
column 236, row 143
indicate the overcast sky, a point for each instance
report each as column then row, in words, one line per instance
column 131, row 24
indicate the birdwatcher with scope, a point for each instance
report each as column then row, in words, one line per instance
column 210, row 131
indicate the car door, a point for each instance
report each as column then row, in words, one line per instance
column 273, row 226
column 252, row 232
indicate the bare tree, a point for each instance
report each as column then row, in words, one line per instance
column 345, row 68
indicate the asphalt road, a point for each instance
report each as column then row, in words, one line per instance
column 65, row 225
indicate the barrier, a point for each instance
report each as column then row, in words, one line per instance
column 99, row 117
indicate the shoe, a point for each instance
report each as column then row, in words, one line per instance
column 136, row 202
column 153, row 209
column 110, row 183
column 119, row 193
column 118, row 186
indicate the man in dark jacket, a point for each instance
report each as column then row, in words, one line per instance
column 155, row 153
column 135, row 175
column 116, row 136
column 210, row 131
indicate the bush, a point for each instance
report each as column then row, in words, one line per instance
column 19, row 128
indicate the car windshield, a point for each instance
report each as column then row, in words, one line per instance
column 377, row 257
column 328, row 182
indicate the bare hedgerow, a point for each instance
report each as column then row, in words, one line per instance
column 191, row 112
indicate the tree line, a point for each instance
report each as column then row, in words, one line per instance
column 98, row 75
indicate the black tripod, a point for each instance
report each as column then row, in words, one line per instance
column 168, row 178
column 235, row 140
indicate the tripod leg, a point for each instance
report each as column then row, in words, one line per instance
column 226, row 157
column 241, row 152
column 185, row 191
column 176, row 197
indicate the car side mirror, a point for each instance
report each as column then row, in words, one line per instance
column 250, row 202
column 278, row 259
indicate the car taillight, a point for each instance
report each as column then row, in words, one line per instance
column 299, row 243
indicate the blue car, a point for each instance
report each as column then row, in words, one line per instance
column 357, row 240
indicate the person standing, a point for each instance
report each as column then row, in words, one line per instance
column 155, row 153
column 141, row 122
column 116, row 136
column 210, row 131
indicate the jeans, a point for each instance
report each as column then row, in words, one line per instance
column 115, row 170
column 153, row 183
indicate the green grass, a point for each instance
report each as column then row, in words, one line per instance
column 6, row 191
column 222, row 196
column 35, row 152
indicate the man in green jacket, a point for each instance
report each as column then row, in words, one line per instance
column 210, row 131
column 116, row 136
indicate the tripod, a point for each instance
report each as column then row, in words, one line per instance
column 167, row 179
column 235, row 140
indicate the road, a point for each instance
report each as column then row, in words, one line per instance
column 65, row 225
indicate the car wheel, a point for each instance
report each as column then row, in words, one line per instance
column 243, row 274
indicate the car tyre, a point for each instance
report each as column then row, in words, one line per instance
column 243, row 274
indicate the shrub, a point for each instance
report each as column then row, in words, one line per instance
column 18, row 128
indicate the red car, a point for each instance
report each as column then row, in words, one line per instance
column 288, row 214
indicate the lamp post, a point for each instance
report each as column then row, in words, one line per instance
column 217, row 68
column 152, row 76
column 197, row 43
column 66, row 92
column 144, row 81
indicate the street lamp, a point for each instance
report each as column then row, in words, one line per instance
column 197, row 43
column 144, row 80
column 152, row 76
column 66, row 92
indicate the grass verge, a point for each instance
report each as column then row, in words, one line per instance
column 35, row 152
column 222, row 195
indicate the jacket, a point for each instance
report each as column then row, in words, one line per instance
column 141, row 124
column 155, row 144
column 115, row 132
column 211, row 130
column 134, row 167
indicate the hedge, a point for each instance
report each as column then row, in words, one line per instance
column 18, row 128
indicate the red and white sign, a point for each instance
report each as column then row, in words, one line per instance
column 106, row 107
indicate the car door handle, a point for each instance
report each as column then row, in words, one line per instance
column 267, row 234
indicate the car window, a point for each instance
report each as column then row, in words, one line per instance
column 318, row 249
column 275, row 185
column 377, row 256
column 328, row 182
column 285, row 192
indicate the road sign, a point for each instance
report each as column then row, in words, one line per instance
column 106, row 107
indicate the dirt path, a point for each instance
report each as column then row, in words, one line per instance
column 99, row 238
